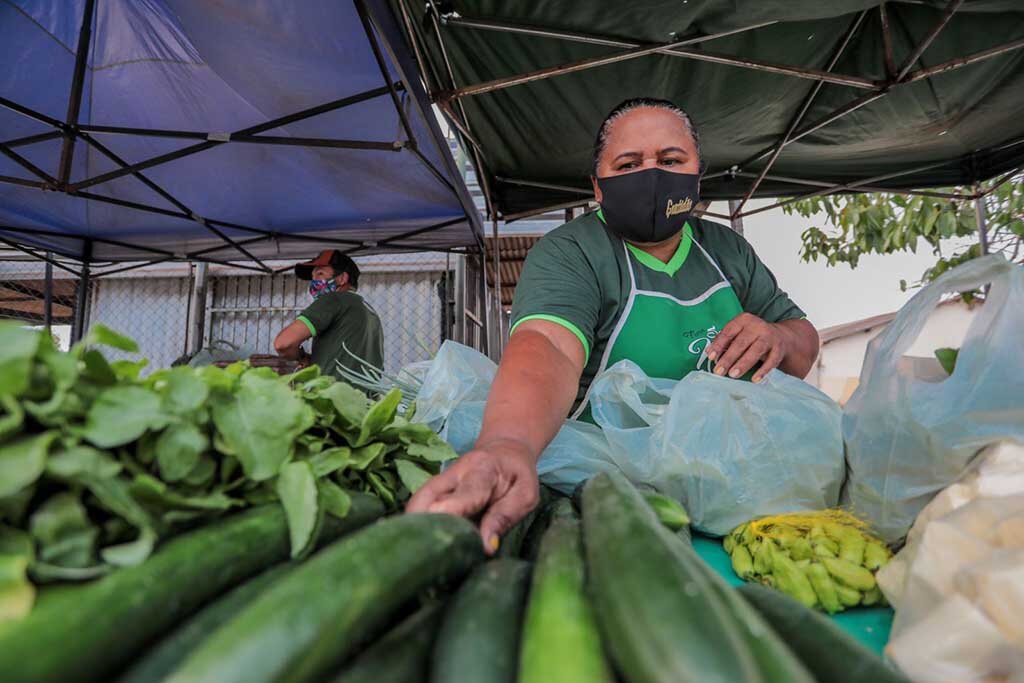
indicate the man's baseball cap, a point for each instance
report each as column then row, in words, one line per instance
column 328, row 257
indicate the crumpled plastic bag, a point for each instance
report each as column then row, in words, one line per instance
column 958, row 584
column 728, row 450
column 910, row 432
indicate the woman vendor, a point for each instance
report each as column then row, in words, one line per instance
column 642, row 279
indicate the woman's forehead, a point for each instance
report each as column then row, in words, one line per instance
column 650, row 127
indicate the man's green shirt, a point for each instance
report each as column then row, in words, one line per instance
column 578, row 276
column 339, row 320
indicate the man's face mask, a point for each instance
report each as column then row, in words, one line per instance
column 318, row 288
column 648, row 206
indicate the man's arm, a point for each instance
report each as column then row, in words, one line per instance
column 534, row 389
column 288, row 342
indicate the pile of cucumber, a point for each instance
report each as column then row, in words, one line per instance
column 610, row 593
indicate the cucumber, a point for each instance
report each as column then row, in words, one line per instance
column 775, row 661
column 310, row 621
column 479, row 638
column 561, row 640
column 402, row 655
column 661, row 619
column 89, row 632
column 539, row 524
column 828, row 652
column 159, row 661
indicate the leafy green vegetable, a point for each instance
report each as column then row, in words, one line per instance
column 22, row 461
column 296, row 487
column 121, row 414
column 99, row 464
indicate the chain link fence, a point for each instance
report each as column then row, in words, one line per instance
column 416, row 296
column 23, row 296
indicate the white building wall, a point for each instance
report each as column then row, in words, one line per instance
column 839, row 365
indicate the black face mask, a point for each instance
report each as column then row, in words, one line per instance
column 648, row 206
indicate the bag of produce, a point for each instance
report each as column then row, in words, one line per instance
column 958, row 584
column 910, row 433
column 729, row 450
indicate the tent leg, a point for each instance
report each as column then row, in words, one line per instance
column 81, row 302
column 48, row 295
column 981, row 214
column 498, row 341
column 460, row 300
column 197, row 308
column 735, row 220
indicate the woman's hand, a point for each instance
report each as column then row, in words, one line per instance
column 499, row 477
column 791, row 346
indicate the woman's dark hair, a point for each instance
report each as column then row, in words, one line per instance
column 638, row 103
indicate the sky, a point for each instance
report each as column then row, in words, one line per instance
column 830, row 295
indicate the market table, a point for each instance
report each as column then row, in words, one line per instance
column 868, row 625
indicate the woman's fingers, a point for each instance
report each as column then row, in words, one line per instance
column 757, row 350
column 436, row 487
column 505, row 512
column 770, row 363
column 737, row 347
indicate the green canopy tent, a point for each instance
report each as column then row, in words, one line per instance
column 791, row 97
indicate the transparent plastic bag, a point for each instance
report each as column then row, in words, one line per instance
column 729, row 450
column 910, row 433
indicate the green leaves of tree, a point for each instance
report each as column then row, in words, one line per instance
column 883, row 223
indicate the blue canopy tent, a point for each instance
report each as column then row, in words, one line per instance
column 241, row 130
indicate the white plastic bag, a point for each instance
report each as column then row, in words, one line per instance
column 909, row 435
column 729, row 450
column 958, row 584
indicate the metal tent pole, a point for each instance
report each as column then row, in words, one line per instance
column 981, row 214
column 499, row 342
column 48, row 296
column 197, row 308
column 735, row 219
column 82, row 297
column 77, row 86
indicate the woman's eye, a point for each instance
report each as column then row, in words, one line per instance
column 628, row 165
column 670, row 162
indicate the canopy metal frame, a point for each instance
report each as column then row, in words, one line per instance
column 451, row 95
column 71, row 131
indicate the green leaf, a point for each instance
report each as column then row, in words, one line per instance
column 334, row 499
column 65, row 535
column 18, row 347
column 411, row 474
column 152, row 491
column 12, row 417
column 23, row 460
column 16, row 542
column 178, row 449
column 97, row 369
column 331, row 460
column 122, row 414
column 362, row 457
column 203, row 473
column 379, row 416
column 43, row 572
column 304, row 375
column 380, row 487
column 16, row 592
column 260, row 423
column 183, row 391
column 132, row 553
column 114, row 495
column 102, row 335
column 348, row 402
column 437, row 450
column 296, row 488
column 128, row 370
column 82, row 461
column 947, row 359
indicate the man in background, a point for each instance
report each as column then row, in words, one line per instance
column 338, row 319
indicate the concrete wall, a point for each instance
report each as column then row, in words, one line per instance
column 839, row 364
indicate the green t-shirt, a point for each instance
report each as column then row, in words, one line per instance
column 343, row 319
column 578, row 276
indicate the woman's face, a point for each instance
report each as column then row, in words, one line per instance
column 647, row 138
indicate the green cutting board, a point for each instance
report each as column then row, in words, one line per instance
column 869, row 625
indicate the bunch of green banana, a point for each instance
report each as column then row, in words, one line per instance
column 828, row 565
